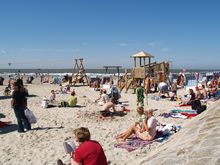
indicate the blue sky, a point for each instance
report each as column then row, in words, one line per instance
column 52, row 33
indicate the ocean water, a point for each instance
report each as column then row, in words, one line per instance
column 88, row 71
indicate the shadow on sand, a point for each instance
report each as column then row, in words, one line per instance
column 47, row 128
column 32, row 95
column 8, row 129
column 4, row 97
column 9, row 97
column 2, row 115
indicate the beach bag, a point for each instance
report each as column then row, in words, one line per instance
column 45, row 103
column 30, row 116
column 115, row 94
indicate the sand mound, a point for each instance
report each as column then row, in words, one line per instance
column 197, row 143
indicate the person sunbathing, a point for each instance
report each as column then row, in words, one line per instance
column 204, row 92
column 188, row 101
column 212, row 90
column 139, row 123
column 146, row 132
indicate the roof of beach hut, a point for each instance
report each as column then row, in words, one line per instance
column 143, row 55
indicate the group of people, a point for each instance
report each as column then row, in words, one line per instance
column 91, row 152
column 71, row 102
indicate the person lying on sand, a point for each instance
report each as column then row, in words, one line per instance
column 145, row 132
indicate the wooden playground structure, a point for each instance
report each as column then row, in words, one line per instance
column 79, row 73
column 114, row 67
column 148, row 74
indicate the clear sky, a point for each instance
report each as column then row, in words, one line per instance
column 52, row 33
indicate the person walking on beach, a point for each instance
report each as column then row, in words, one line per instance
column 140, row 95
column 89, row 152
column 19, row 103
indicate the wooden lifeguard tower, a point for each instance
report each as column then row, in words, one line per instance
column 79, row 73
column 139, row 71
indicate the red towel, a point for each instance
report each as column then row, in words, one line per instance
column 189, row 115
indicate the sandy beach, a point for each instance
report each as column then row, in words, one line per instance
column 198, row 141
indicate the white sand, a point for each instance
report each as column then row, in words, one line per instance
column 197, row 143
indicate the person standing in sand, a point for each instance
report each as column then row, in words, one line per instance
column 140, row 95
column 19, row 103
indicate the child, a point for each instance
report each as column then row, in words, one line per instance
column 52, row 96
column 7, row 91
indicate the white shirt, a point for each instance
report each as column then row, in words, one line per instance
column 152, row 124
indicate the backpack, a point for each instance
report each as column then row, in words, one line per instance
column 115, row 94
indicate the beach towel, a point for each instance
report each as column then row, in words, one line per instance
column 182, row 114
column 183, row 105
column 133, row 144
column 189, row 115
column 173, row 115
column 183, row 111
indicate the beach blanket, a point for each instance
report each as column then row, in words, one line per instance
column 183, row 105
column 189, row 115
column 183, row 111
column 133, row 144
column 182, row 115
column 173, row 115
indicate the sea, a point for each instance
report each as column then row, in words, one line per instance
column 60, row 72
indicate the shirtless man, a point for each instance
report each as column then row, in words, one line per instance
column 108, row 105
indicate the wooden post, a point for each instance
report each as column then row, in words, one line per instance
column 134, row 61
column 149, row 70
column 140, row 61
